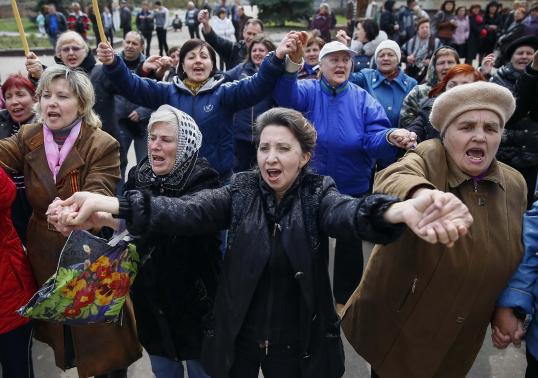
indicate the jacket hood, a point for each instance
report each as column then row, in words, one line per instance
column 431, row 75
column 389, row 5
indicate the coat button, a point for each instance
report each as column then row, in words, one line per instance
column 389, row 108
column 299, row 275
column 526, row 131
column 460, row 319
column 523, row 147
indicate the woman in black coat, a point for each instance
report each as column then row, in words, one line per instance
column 274, row 307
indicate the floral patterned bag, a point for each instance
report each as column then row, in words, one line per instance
column 91, row 282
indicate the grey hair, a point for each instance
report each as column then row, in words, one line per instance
column 70, row 36
column 81, row 86
column 326, row 6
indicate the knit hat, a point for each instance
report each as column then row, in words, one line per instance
column 389, row 44
column 479, row 95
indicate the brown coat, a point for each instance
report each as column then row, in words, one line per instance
column 92, row 165
column 422, row 310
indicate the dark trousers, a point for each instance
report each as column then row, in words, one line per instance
column 245, row 155
column 193, row 30
column 129, row 132
column 281, row 361
column 161, row 37
column 16, row 353
column 148, row 35
column 348, row 263
column 126, row 30
column 532, row 366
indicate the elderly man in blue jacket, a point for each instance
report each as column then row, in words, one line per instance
column 353, row 132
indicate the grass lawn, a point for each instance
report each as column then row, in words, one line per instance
column 14, row 42
column 8, row 24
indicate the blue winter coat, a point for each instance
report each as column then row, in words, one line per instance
column 522, row 289
column 389, row 93
column 212, row 107
column 244, row 119
column 351, row 127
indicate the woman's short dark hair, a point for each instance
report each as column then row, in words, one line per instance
column 370, row 28
column 260, row 39
column 293, row 120
column 190, row 45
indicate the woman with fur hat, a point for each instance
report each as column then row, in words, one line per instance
column 519, row 146
column 423, row 310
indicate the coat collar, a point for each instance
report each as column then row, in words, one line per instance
column 402, row 80
column 36, row 158
column 338, row 91
column 456, row 177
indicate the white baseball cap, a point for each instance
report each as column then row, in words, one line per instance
column 334, row 46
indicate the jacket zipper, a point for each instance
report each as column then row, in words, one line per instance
column 410, row 292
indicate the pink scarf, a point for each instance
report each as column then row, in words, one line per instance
column 56, row 155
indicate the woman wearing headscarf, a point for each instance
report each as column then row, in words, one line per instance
column 174, row 291
column 423, row 310
column 274, row 307
column 63, row 152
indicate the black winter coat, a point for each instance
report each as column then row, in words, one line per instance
column 174, row 291
column 20, row 209
column 317, row 210
column 421, row 125
column 519, row 145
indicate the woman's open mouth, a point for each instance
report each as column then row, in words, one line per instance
column 476, row 155
column 273, row 174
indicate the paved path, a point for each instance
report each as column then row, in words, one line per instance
column 509, row 363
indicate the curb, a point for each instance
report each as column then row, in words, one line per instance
column 46, row 50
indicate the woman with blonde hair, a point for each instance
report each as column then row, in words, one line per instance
column 62, row 153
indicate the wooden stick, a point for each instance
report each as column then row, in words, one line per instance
column 20, row 27
column 99, row 21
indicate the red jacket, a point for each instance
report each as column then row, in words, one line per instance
column 17, row 282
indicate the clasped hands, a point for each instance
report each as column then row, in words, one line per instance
column 434, row 216
column 506, row 328
column 82, row 211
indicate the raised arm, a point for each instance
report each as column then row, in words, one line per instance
column 249, row 91
column 221, row 45
column 144, row 92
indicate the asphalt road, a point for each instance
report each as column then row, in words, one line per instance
column 508, row 363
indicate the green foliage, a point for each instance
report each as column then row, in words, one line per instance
column 274, row 10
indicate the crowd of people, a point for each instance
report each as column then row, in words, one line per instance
column 415, row 131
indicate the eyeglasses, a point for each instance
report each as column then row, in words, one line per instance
column 75, row 49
